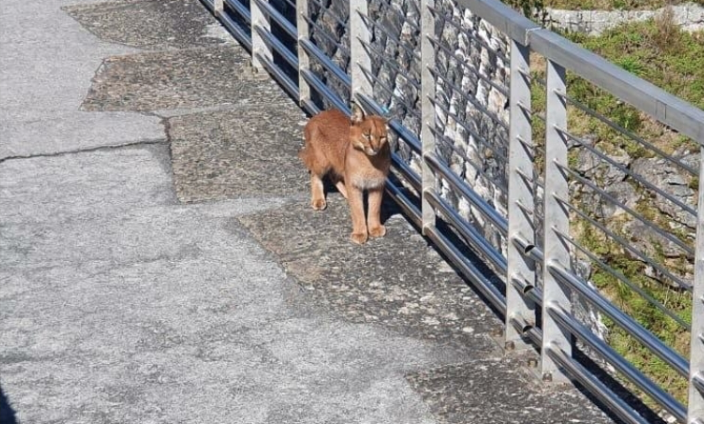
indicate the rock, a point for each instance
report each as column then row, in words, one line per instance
column 648, row 241
column 690, row 17
column 669, row 179
column 622, row 192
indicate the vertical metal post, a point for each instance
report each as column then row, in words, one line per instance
column 521, row 200
column 427, row 137
column 259, row 47
column 695, row 413
column 218, row 7
column 303, row 59
column 359, row 58
column 556, row 220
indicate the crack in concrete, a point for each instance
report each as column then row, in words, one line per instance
column 163, row 141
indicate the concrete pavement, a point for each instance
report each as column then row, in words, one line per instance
column 159, row 263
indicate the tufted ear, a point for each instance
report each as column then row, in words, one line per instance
column 357, row 114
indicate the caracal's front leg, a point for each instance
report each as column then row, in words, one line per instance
column 317, row 192
column 374, row 215
column 356, row 202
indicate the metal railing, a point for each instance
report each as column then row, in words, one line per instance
column 500, row 166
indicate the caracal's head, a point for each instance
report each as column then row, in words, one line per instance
column 367, row 133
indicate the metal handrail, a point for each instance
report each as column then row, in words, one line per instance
column 663, row 351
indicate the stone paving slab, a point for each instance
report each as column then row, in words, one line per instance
column 396, row 281
column 181, row 23
column 47, row 189
column 248, row 151
column 178, row 79
column 468, row 393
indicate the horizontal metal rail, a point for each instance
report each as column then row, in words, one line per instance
column 277, row 17
column 325, row 91
column 599, row 389
column 280, row 76
column 618, row 275
column 209, row 4
column 645, row 337
column 470, row 233
column 408, row 174
column 328, row 64
column 442, row 138
column 630, row 134
column 698, row 381
column 327, row 11
column 626, row 245
column 409, row 209
column 409, row 49
column 666, row 108
column 236, row 30
column 605, row 195
column 503, row 18
column 628, row 172
column 481, row 140
column 277, row 46
column 410, row 109
column 529, row 291
column 472, row 101
column 618, row 362
column 291, row 3
column 320, row 31
column 529, row 250
column 382, row 57
column 468, row 269
column 238, row 7
column 476, row 200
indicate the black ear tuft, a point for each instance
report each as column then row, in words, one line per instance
column 357, row 114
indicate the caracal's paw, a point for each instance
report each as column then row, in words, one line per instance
column 379, row 231
column 319, row 204
column 359, row 238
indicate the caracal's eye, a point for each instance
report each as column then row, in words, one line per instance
column 368, row 136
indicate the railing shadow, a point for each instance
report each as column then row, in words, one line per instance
column 7, row 414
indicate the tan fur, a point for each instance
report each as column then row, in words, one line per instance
column 356, row 155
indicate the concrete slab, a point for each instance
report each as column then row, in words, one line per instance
column 179, row 79
column 74, row 131
column 181, row 23
column 396, row 281
column 83, row 186
column 249, row 151
column 44, row 76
